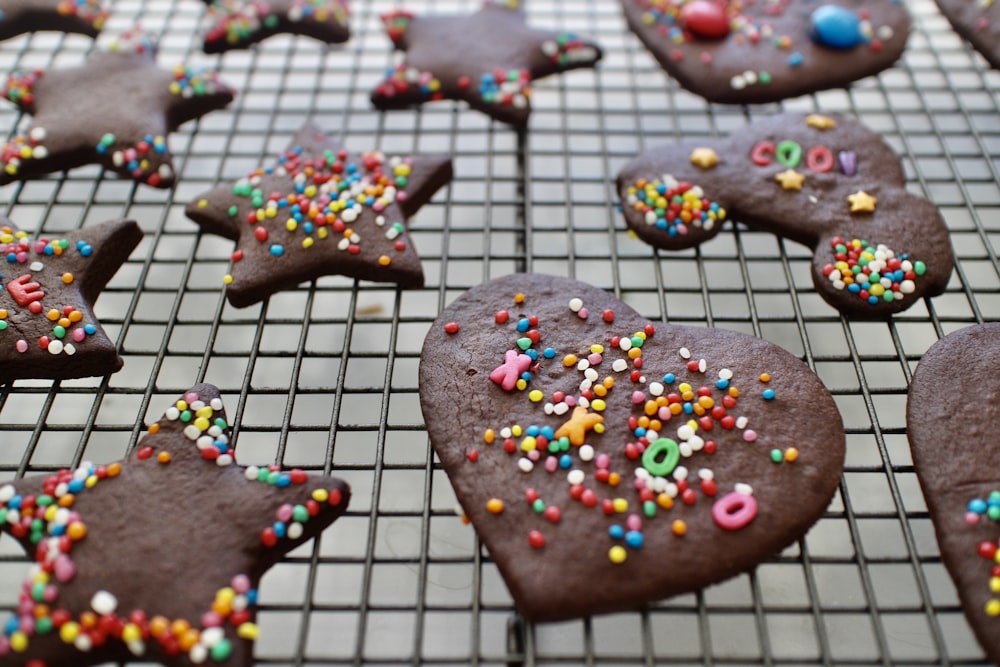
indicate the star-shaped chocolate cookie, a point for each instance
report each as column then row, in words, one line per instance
column 82, row 16
column 48, row 287
column 158, row 556
column 115, row 110
column 489, row 59
column 236, row 24
column 319, row 210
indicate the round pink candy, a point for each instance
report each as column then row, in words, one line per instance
column 638, row 397
column 582, row 313
column 284, row 513
column 663, row 413
column 551, row 464
column 211, row 620
column 595, row 359
column 64, row 569
column 22, row 346
column 534, row 455
column 633, row 522
column 749, row 435
column 971, row 518
column 603, row 461
column 241, row 584
column 79, row 335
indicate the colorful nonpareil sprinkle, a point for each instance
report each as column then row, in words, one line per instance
column 680, row 416
column 674, row 206
column 988, row 510
column 873, row 273
column 51, row 521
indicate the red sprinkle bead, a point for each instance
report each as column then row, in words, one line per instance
column 536, row 539
column 608, row 316
column 268, row 537
column 690, row 496
column 501, row 317
column 987, row 550
column 451, row 328
column 473, row 455
column 553, row 514
column 710, row 447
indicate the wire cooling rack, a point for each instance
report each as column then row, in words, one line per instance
column 324, row 377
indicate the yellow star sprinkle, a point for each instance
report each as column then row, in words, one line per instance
column 706, row 158
column 862, row 202
column 820, row 122
column 790, row 179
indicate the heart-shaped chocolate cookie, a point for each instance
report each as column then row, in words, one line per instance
column 825, row 181
column 606, row 461
column 952, row 417
column 737, row 52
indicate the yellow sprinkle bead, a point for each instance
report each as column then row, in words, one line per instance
column 69, row 631
column 19, row 642
column 248, row 631
column 535, row 395
column 617, row 554
column 320, row 495
column 620, row 505
column 993, row 607
column 598, row 405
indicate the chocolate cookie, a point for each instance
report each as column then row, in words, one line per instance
column 317, row 211
column 951, row 420
column 48, row 287
column 754, row 52
column 159, row 556
column 824, row 181
column 237, row 24
column 977, row 21
column 489, row 59
column 606, row 461
column 115, row 110
column 81, row 16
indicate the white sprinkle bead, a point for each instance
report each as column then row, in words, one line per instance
column 591, row 375
column 697, row 443
column 684, row 352
column 725, row 374
column 659, row 484
column 37, row 133
column 702, row 365
column 136, row 647
column 204, row 442
column 37, row 266
column 216, row 404
column 69, row 349
column 83, row 643
column 706, row 474
column 625, row 344
column 560, row 408
column 505, row 432
column 685, row 449
column 586, row 453
column 198, row 654
column 744, row 488
column 575, row 476
column 619, row 365
column 642, row 473
column 549, row 408
column 172, row 413
column 6, row 492
column 224, row 460
column 294, row 531
column 685, row 432
column 582, row 365
column 655, row 388
column 55, row 346
column 741, row 422
column 525, row 464
column 104, row 603
column 192, row 432
column 575, row 304
column 212, row 636
column 680, row 472
column 251, row 473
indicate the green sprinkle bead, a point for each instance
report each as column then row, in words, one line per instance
column 919, row 268
column 3, row 325
column 777, row 456
column 649, row 509
column 538, row 506
column 222, row 650
column 59, row 331
column 300, row 514
column 524, row 343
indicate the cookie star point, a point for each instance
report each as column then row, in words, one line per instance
column 86, row 17
column 488, row 59
column 790, row 179
column 78, row 117
column 172, row 591
column 326, row 212
column 862, row 202
column 238, row 24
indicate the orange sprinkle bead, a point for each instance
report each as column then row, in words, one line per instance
column 734, row 392
column 179, row 627
column 222, row 607
column 765, row 377
column 600, row 390
column 159, row 626
column 489, row 436
column 154, row 429
column 706, row 402
column 643, row 421
column 164, row 457
column 676, row 408
column 698, row 410
column 77, row 530
column 519, row 297
column 655, row 425
column 384, row 260
column 41, row 611
column 88, row 619
column 664, row 501
column 679, row 527
column 791, row 454
column 614, row 479
column 188, row 640
column 609, row 382
column 67, row 278
column 650, row 408
column 67, row 500
column 634, row 352
column 53, row 314
column 494, row 506
column 114, row 469
column 64, row 322
column 570, row 360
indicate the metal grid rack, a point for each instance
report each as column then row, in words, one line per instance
column 325, row 377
